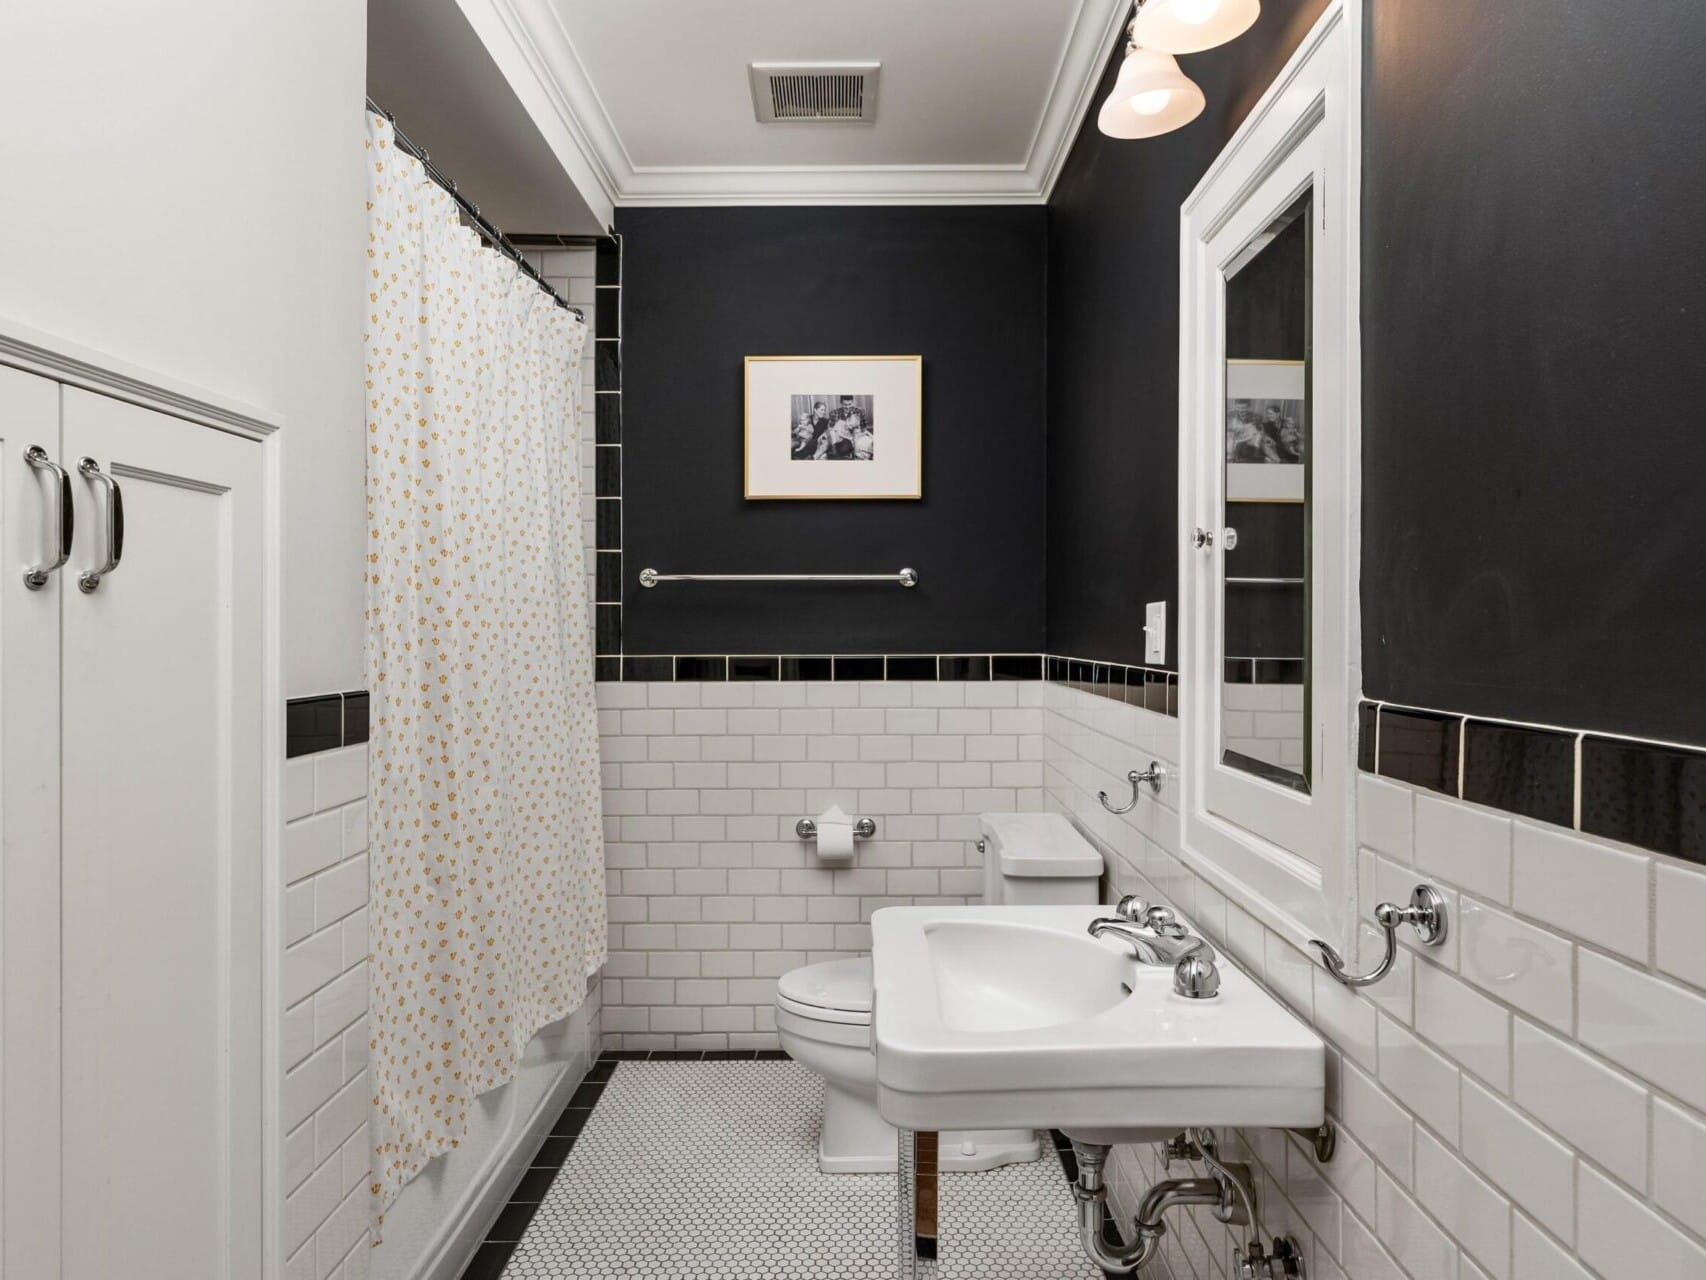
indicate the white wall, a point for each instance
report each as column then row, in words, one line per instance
column 712, row 895
column 183, row 190
column 1525, row 1103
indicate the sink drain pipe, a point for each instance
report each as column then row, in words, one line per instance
column 1229, row 1191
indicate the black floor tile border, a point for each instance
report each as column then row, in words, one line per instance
column 1648, row 794
column 513, row 1219
column 325, row 722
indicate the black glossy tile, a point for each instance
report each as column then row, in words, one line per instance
column 1521, row 770
column 608, row 628
column 533, row 1186
column 571, row 1122
column 607, row 412
column 754, row 668
column 356, row 716
column 859, row 668
column 677, row 1055
column 489, row 1261
column 512, row 1220
column 1419, row 747
column 607, row 524
column 1238, row 671
column 1365, row 736
column 1110, row 681
column 1136, row 686
column 770, row 1055
column 609, row 567
column 1280, row 671
column 607, row 260
column 1155, row 691
column 607, row 324
column 1057, row 669
column 730, row 1055
column 971, row 666
column 607, row 366
column 696, row 668
column 313, row 724
column 1172, row 707
column 607, row 669
column 552, row 1152
column 648, row 668
column 1645, row 795
column 908, row 666
column 1016, row 666
column 590, row 1091
column 806, row 668
column 607, row 472
column 1080, row 674
column 603, row 1069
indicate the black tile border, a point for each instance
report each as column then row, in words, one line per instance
column 1644, row 793
column 325, row 722
column 606, row 343
column 1150, row 688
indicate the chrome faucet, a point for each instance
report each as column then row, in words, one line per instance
column 1157, row 938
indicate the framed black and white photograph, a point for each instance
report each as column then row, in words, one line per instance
column 834, row 427
column 1266, row 430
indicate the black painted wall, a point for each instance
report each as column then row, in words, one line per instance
column 1534, row 317
column 964, row 288
column 1113, row 357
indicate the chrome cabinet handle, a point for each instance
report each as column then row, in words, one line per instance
column 91, row 470
column 1202, row 539
column 1426, row 914
column 35, row 579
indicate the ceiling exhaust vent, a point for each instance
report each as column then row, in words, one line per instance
column 814, row 92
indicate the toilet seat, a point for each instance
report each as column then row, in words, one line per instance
column 836, row 991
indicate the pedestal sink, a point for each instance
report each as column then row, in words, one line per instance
column 994, row 1017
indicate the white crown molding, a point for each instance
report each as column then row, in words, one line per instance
column 527, row 40
column 35, row 351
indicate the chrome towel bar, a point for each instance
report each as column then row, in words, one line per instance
column 905, row 578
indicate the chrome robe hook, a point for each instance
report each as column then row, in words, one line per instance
column 1426, row 914
column 1152, row 775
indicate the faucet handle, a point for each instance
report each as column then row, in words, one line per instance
column 1133, row 908
column 1161, row 920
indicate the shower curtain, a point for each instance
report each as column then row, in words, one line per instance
column 486, row 843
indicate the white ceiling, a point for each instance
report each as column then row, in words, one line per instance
column 979, row 99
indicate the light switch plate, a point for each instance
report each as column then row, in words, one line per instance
column 1155, row 633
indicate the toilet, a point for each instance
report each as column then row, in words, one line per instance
column 823, row 1011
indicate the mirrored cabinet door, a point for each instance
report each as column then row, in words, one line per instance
column 1267, row 451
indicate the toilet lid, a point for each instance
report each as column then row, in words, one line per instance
column 840, row 985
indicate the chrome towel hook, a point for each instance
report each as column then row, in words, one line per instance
column 1152, row 775
column 1426, row 914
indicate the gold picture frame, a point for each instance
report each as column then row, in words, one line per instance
column 873, row 451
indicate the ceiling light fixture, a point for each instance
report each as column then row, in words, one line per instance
column 1150, row 97
column 1190, row 26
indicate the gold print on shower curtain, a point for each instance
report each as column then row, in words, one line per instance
column 487, row 849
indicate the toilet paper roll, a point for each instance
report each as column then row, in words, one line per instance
column 834, row 835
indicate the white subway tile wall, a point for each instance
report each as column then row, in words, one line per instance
column 1523, row 1105
column 713, row 897
column 323, row 990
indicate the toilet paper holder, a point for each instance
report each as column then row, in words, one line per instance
column 863, row 828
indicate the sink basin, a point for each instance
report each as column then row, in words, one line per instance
column 1001, row 975
column 997, row 1017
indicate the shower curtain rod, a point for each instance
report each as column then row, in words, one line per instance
column 486, row 228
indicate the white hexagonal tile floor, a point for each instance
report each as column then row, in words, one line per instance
column 708, row 1171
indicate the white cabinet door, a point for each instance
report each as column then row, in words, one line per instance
column 161, row 884
column 29, row 831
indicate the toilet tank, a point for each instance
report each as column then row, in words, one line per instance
column 1038, row 860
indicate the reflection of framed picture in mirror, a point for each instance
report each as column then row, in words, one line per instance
column 1266, row 430
column 834, row 426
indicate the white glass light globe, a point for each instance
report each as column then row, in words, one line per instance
column 1152, row 103
column 1194, row 13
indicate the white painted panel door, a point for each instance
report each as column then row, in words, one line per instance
column 29, row 831
column 162, row 887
